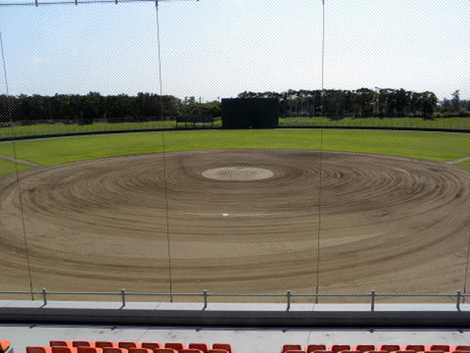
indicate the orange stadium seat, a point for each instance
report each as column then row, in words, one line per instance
column 62, row 349
column 201, row 346
column 139, row 350
column 102, row 344
column 4, row 346
column 225, row 346
column 127, row 345
column 315, row 347
column 217, row 351
column 112, row 350
column 175, row 346
column 82, row 344
column 165, row 350
column 390, row 347
column 57, row 343
column 190, row 350
column 365, row 347
column 340, row 347
column 38, row 349
column 82, row 349
column 150, row 345
column 415, row 347
column 291, row 347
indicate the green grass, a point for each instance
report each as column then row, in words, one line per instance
column 438, row 123
column 465, row 164
column 419, row 145
column 7, row 167
column 45, row 129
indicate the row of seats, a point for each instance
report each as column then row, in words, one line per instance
column 384, row 348
column 83, row 346
column 5, row 346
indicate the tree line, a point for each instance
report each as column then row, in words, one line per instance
column 335, row 104
column 364, row 103
column 94, row 106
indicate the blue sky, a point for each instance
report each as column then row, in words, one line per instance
column 216, row 48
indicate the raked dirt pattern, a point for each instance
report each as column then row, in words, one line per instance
column 388, row 224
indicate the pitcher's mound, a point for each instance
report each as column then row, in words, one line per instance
column 238, row 174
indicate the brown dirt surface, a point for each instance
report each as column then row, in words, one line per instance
column 388, row 224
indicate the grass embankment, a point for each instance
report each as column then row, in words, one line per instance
column 419, row 145
column 58, row 129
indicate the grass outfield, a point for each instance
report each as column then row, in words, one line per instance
column 438, row 123
column 420, row 145
column 7, row 167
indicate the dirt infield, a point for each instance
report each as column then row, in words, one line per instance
column 388, row 224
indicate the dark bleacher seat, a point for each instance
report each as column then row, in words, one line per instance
column 315, row 347
column 439, row 347
column 364, row 347
column 340, row 347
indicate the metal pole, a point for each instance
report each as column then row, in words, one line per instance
column 459, row 300
column 204, row 294
column 372, row 301
column 123, row 297
column 289, row 294
column 44, row 296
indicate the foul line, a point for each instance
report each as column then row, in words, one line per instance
column 460, row 160
column 19, row 161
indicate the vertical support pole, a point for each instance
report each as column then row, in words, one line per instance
column 44, row 296
column 372, row 301
column 289, row 295
column 123, row 297
column 459, row 300
column 204, row 295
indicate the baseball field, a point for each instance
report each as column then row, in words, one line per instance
column 237, row 211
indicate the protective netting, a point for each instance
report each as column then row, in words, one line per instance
column 361, row 187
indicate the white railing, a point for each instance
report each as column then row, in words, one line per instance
column 458, row 297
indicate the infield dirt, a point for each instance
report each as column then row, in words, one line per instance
column 387, row 224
